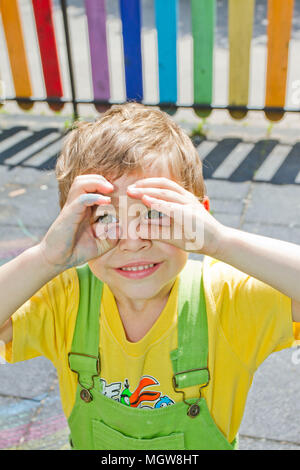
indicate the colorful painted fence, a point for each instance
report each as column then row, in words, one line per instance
column 202, row 28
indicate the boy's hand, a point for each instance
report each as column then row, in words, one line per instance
column 70, row 241
column 186, row 223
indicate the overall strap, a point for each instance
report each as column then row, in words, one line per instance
column 84, row 355
column 190, row 360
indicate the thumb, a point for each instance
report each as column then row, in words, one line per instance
column 108, row 239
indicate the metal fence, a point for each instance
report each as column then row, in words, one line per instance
column 202, row 72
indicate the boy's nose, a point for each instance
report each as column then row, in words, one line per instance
column 130, row 237
column 133, row 245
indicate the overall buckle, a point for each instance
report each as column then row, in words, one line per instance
column 193, row 409
column 85, row 393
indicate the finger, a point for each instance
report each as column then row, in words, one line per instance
column 103, row 231
column 90, row 199
column 88, row 176
column 171, row 209
column 104, row 245
column 186, row 228
column 159, row 182
column 76, row 210
column 83, row 179
column 107, row 239
column 112, row 232
column 158, row 193
column 155, row 232
column 89, row 184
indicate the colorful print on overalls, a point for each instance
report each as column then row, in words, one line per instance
column 101, row 423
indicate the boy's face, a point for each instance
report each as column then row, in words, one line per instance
column 131, row 248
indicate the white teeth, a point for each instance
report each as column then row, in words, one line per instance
column 138, row 268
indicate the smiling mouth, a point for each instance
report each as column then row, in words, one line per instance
column 138, row 272
column 141, row 267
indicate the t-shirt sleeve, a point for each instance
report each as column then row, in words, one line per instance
column 39, row 325
column 255, row 318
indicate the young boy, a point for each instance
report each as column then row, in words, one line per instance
column 152, row 350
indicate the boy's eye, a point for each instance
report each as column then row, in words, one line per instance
column 108, row 218
column 103, row 219
column 155, row 214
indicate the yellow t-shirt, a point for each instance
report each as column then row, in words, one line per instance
column 247, row 321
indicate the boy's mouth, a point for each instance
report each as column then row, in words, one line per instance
column 138, row 269
column 140, row 263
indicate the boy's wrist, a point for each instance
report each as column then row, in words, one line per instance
column 222, row 242
column 216, row 237
column 46, row 269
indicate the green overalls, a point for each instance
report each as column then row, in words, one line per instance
column 101, row 423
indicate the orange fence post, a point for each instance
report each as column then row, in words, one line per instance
column 16, row 50
column 280, row 14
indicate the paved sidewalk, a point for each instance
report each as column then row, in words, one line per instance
column 253, row 182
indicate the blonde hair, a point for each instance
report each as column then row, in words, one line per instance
column 129, row 138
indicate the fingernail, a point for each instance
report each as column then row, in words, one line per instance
column 89, row 198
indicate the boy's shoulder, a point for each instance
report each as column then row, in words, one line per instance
column 65, row 278
column 63, row 286
column 219, row 272
column 216, row 271
column 219, row 276
column 224, row 284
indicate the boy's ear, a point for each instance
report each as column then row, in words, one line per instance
column 206, row 203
